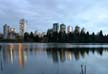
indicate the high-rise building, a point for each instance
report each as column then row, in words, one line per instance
column 23, row 25
column 12, row 30
column 35, row 33
column 77, row 29
column 55, row 27
column 6, row 29
column 12, row 33
column 69, row 29
column 62, row 28
column 9, row 33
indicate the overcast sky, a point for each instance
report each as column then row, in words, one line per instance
column 40, row 14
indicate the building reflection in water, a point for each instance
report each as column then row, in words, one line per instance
column 62, row 55
column 69, row 55
column 11, row 52
column 21, row 55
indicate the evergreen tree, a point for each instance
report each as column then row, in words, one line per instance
column 26, row 36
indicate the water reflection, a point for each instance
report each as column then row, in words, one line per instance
column 21, row 53
column 11, row 51
column 69, row 53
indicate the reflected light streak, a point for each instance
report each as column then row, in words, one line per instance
column 69, row 55
column 11, row 53
column 11, row 47
column 22, row 55
column 20, row 52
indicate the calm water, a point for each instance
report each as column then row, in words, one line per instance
column 52, row 58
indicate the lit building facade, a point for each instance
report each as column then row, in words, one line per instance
column 12, row 33
column 23, row 25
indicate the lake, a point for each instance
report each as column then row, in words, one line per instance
column 53, row 58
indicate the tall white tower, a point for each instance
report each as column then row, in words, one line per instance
column 23, row 25
column 69, row 29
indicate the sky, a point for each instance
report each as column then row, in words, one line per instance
column 41, row 14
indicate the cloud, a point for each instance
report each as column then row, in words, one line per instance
column 91, row 14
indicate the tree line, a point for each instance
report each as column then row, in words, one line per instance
column 63, row 37
column 81, row 37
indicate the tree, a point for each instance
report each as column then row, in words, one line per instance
column 87, row 37
column 26, row 36
column 93, row 37
column 100, row 37
column 31, row 36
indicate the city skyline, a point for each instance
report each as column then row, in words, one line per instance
column 90, row 14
